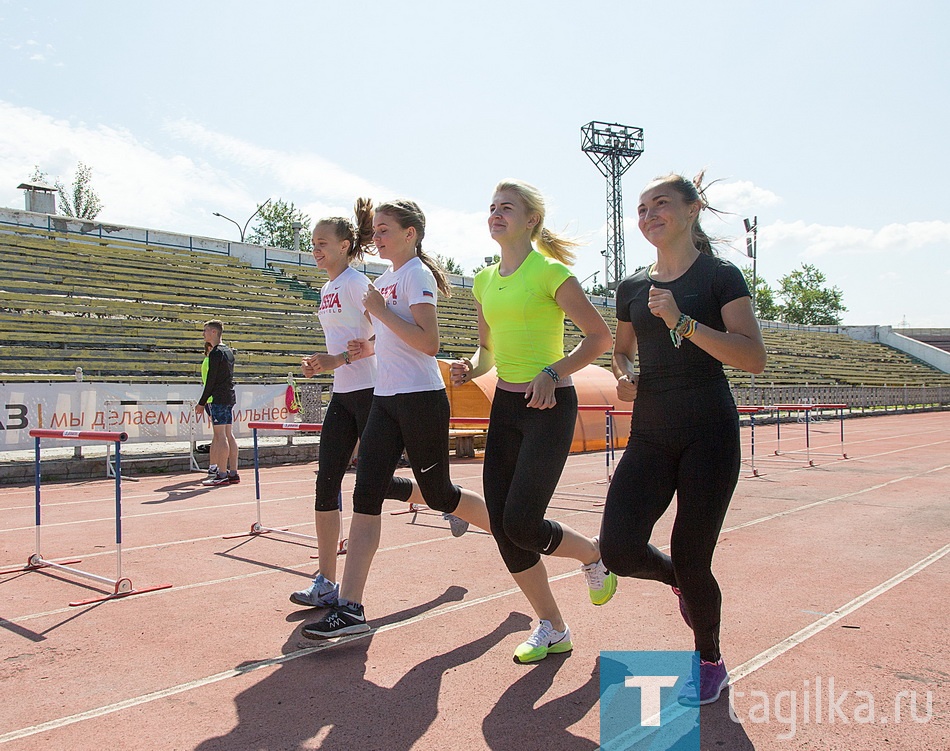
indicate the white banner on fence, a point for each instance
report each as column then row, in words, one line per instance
column 148, row 413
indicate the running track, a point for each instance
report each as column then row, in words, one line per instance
column 838, row 571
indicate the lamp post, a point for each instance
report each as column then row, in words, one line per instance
column 751, row 247
column 296, row 227
column 243, row 229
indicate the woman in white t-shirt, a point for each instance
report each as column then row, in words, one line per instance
column 410, row 408
column 337, row 243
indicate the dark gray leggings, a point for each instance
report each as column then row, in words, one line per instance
column 343, row 424
column 701, row 465
column 525, row 452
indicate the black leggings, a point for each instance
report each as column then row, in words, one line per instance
column 343, row 424
column 701, row 465
column 525, row 452
column 419, row 423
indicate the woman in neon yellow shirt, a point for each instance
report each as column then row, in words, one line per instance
column 521, row 304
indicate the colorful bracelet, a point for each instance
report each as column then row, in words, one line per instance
column 346, row 357
column 685, row 327
column 551, row 372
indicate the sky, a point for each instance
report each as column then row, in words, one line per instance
column 826, row 120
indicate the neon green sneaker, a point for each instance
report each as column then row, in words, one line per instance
column 601, row 583
column 543, row 641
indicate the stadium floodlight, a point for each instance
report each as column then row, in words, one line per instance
column 613, row 148
column 751, row 249
column 243, row 229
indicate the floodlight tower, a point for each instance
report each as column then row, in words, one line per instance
column 613, row 148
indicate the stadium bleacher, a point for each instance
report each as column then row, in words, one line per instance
column 132, row 312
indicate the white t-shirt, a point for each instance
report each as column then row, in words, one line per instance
column 342, row 317
column 404, row 369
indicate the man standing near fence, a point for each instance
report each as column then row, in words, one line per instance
column 219, row 390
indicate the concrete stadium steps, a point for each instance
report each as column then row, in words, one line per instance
column 128, row 312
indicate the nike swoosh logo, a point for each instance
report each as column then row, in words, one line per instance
column 428, row 468
column 563, row 637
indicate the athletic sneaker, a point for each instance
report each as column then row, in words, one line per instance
column 342, row 620
column 216, row 480
column 683, row 612
column 601, row 583
column 713, row 678
column 544, row 640
column 322, row 593
column 458, row 526
column 213, row 470
column 234, row 478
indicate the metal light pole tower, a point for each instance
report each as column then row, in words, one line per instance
column 613, row 148
column 751, row 250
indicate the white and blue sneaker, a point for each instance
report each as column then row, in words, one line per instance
column 322, row 593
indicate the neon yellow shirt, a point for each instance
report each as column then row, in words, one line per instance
column 527, row 324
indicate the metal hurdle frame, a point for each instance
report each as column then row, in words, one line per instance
column 111, row 470
column 258, row 528
column 807, row 410
column 608, row 430
column 752, row 411
column 122, row 586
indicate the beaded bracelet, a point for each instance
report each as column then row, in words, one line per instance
column 346, row 357
column 685, row 327
column 551, row 372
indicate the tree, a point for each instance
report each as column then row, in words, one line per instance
column 84, row 202
column 806, row 301
column 764, row 297
column 495, row 259
column 273, row 226
column 450, row 265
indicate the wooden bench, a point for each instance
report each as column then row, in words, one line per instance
column 465, row 441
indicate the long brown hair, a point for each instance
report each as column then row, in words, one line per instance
column 558, row 247
column 360, row 233
column 692, row 191
column 408, row 214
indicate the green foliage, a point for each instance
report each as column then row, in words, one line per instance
column 764, row 297
column 83, row 202
column 273, row 226
column 495, row 259
column 806, row 301
column 450, row 265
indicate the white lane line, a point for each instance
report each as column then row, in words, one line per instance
column 750, row 666
column 178, row 588
column 245, row 669
column 736, row 674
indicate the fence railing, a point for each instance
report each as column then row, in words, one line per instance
column 858, row 398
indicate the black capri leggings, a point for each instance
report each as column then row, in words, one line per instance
column 419, row 423
column 701, row 465
column 525, row 452
column 343, row 424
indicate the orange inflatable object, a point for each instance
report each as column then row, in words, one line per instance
column 595, row 386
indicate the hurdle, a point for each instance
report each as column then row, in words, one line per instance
column 752, row 411
column 807, row 409
column 608, row 429
column 257, row 527
column 192, row 442
column 122, row 586
column 415, row 508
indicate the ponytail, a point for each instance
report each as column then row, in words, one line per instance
column 408, row 214
column 551, row 244
column 359, row 234
column 693, row 191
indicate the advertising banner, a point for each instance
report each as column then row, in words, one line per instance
column 148, row 413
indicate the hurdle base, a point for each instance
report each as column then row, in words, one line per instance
column 123, row 588
column 414, row 508
column 35, row 562
column 341, row 550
